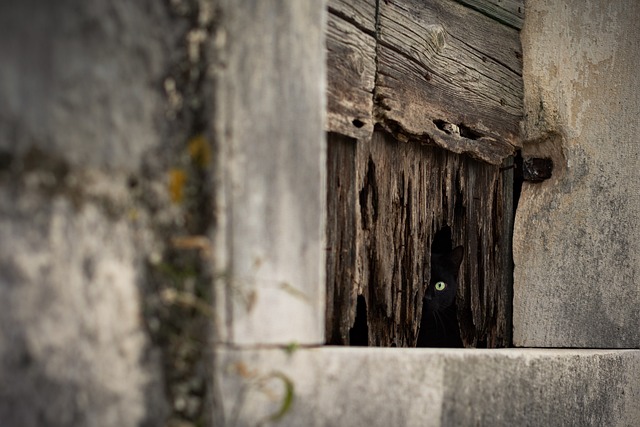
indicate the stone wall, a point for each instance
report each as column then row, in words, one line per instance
column 95, row 122
column 577, row 235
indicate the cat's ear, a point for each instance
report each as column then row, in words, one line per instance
column 456, row 256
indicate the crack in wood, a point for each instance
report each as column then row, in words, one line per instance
column 340, row 14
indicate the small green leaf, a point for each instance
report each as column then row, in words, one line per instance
column 291, row 348
column 287, row 400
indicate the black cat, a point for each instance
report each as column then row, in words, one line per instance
column 439, row 323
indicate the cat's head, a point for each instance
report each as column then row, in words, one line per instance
column 443, row 285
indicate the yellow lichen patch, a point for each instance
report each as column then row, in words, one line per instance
column 133, row 214
column 200, row 151
column 177, row 181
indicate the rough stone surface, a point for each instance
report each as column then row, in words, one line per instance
column 415, row 387
column 83, row 108
column 87, row 75
column 73, row 350
column 577, row 235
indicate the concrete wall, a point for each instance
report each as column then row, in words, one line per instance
column 577, row 235
column 85, row 143
column 270, row 181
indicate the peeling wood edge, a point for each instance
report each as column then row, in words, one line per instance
column 475, row 148
column 490, row 149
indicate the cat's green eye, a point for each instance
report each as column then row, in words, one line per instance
column 440, row 286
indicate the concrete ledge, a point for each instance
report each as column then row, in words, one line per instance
column 335, row 386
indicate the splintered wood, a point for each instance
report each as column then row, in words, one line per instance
column 425, row 100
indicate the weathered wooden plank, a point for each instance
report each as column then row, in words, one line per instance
column 405, row 193
column 361, row 13
column 270, row 200
column 341, row 238
column 350, row 78
column 483, row 223
column 509, row 12
column 443, row 64
column 505, row 212
column 394, row 234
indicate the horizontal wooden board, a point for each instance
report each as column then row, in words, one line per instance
column 508, row 12
column 449, row 75
column 361, row 13
column 351, row 78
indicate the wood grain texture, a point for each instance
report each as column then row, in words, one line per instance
column 508, row 12
column 440, row 62
column 270, row 182
column 405, row 193
column 341, row 237
column 360, row 13
column 437, row 151
column 350, row 76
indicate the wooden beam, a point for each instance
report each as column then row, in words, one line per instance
column 508, row 12
column 351, row 76
column 451, row 76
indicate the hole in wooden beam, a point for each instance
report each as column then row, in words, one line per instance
column 458, row 130
column 469, row 133
column 447, row 127
column 357, row 123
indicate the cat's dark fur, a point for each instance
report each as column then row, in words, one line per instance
column 439, row 323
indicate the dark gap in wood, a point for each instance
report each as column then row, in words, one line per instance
column 442, row 241
column 443, row 126
column 461, row 130
column 514, row 22
column 443, row 329
column 339, row 14
column 369, row 196
column 518, row 179
column 357, row 123
column 469, row 133
column 359, row 333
